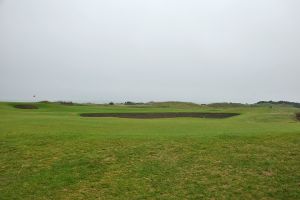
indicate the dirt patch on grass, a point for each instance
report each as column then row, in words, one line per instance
column 161, row 115
column 26, row 106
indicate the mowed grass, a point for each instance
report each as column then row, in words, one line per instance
column 53, row 153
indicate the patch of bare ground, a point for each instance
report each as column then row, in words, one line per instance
column 161, row 115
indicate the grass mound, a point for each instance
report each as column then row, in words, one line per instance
column 26, row 106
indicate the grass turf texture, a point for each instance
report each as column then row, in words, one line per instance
column 53, row 153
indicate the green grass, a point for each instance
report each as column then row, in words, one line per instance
column 53, row 153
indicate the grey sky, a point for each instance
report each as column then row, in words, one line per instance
column 138, row 50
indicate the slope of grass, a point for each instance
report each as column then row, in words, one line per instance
column 53, row 153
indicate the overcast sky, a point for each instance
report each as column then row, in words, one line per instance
column 150, row 50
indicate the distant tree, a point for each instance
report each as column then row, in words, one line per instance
column 111, row 103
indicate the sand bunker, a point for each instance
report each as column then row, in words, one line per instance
column 26, row 106
column 298, row 116
column 161, row 115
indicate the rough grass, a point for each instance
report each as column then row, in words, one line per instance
column 53, row 153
